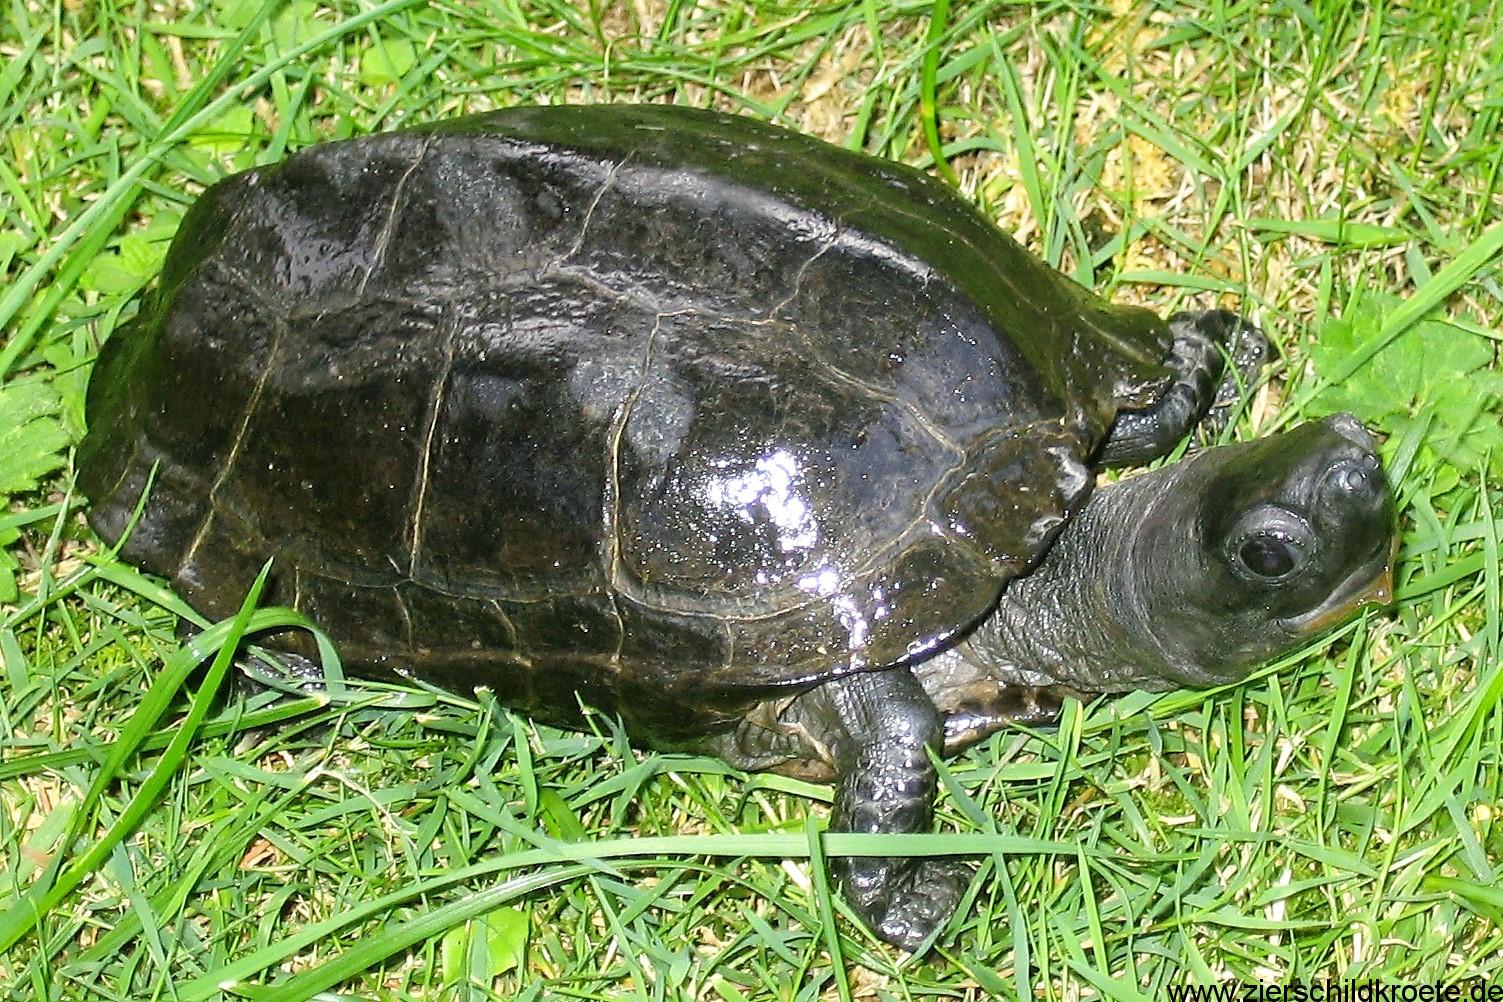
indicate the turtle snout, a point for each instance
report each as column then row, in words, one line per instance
column 1352, row 517
column 1353, row 473
column 1349, row 428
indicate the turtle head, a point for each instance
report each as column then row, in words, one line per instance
column 1273, row 542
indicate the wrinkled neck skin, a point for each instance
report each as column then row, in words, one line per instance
column 1095, row 614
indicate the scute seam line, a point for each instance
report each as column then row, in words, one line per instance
column 273, row 350
column 415, row 529
column 611, row 506
column 584, row 226
column 383, row 239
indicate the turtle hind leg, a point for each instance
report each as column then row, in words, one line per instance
column 887, row 728
column 258, row 672
column 1203, row 385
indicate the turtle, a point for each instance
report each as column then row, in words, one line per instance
column 773, row 449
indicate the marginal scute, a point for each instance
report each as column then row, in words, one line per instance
column 220, row 546
column 924, row 573
column 668, row 409
column 374, row 613
column 682, row 639
column 177, row 506
column 1014, row 493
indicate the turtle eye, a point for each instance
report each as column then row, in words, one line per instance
column 1270, row 544
column 1268, row 556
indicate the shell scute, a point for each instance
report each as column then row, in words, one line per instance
column 1014, row 493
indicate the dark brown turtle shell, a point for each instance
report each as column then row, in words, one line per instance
column 663, row 407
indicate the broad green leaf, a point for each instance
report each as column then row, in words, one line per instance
column 387, row 62
column 1433, row 367
column 1410, row 369
column 295, row 25
column 1468, row 430
column 453, row 952
column 231, row 132
column 141, row 255
column 505, row 939
column 1367, row 397
column 71, row 384
column 109, row 275
column 1445, row 353
column 126, row 269
column 482, row 949
column 32, row 439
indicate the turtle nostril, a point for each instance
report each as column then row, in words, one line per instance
column 1355, row 476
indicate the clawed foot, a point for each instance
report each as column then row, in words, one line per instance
column 904, row 901
column 1203, row 382
column 1248, row 351
column 889, row 729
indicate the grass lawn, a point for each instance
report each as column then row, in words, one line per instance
column 1331, row 169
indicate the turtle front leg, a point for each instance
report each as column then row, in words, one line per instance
column 1203, row 384
column 987, row 706
column 886, row 783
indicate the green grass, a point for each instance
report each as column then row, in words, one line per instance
column 1336, row 816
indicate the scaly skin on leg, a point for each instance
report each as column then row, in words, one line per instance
column 295, row 670
column 887, row 784
column 981, row 714
column 1202, row 344
column 1248, row 351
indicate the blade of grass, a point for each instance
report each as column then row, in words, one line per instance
column 824, row 898
column 939, row 16
column 44, row 895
